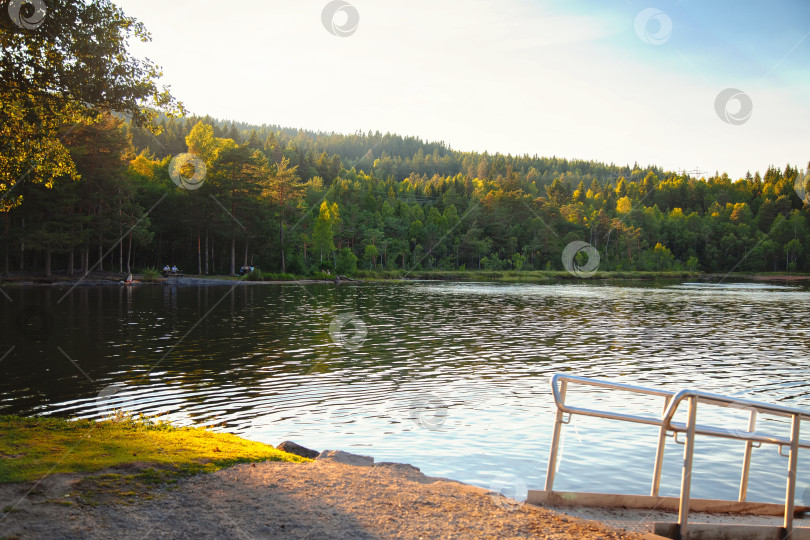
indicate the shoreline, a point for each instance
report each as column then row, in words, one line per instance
column 337, row 495
column 109, row 278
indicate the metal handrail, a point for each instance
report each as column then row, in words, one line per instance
column 559, row 399
column 717, row 399
column 666, row 424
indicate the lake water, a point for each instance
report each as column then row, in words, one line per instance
column 451, row 377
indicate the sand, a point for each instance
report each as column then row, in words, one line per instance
column 321, row 499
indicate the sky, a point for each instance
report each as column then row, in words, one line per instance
column 704, row 85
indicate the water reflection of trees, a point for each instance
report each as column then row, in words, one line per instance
column 227, row 336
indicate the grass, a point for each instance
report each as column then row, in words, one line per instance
column 150, row 274
column 257, row 275
column 530, row 276
column 750, row 275
column 31, row 448
column 271, row 276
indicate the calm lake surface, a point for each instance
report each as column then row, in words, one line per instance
column 451, row 377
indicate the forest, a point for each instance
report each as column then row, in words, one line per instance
column 103, row 169
column 301, row 202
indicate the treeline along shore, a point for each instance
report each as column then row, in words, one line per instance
column 299, row 202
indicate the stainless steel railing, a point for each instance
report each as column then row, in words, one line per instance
column 667, row 425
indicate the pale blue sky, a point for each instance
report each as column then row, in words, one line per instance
column 567, row 78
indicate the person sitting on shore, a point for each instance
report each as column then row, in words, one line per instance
column 174, row 269
column 167, row 268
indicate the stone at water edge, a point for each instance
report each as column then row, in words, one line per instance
column 398, row 466
column 339, row 456
column 293, row 448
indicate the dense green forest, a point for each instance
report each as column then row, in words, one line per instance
column 297, row 201
column 101, row 170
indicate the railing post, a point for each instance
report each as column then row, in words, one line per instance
column 659, row 454
column 791, row 479
column 555, row 440
column 686, row 476
column 749, row 447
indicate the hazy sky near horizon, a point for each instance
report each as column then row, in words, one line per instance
column 618, row 81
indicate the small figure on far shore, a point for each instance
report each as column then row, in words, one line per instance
column 174, row 269
column 167, row 268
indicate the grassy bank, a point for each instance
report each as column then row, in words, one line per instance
column 533, row 276
column 31, row 448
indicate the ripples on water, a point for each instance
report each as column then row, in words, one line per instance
column 451, row 377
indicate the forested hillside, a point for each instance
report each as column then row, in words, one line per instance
column 297, row 201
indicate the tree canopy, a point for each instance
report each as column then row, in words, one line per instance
column 290, row 200
column 62, row 66
column 88, row 139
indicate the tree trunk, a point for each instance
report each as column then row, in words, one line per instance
column 22, row 247
column 233, row 235
column 206, row 251
column 48, row 262
column 199, row 254
column 129, row 254
column 247, row 245
column 120, row 236
column 7, row 245
column 233, row 254
column 281, row 236
column 70, row 263
column 617, row 251
column 100, row 255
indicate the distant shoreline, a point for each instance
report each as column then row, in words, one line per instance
column 534, row 276
column 107, row 279
column 766, row 277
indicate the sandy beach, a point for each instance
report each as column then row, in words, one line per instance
column 320, row 499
